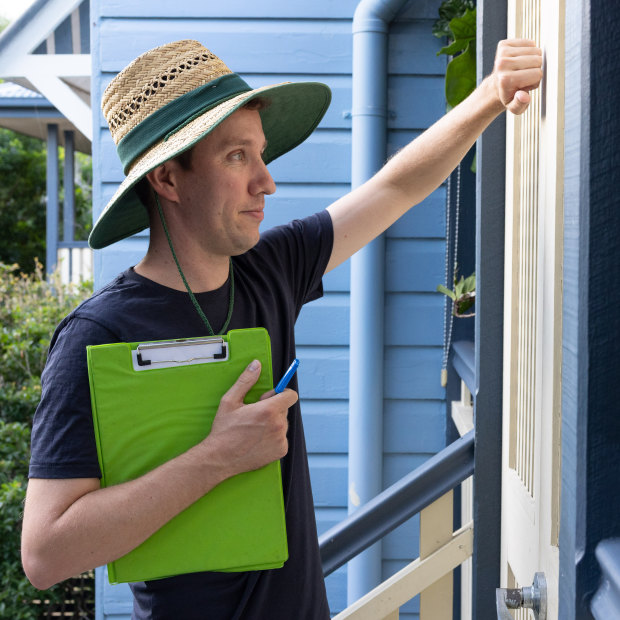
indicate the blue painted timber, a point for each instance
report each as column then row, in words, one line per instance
column 464, row 362
column 489, row 327
column 591, row 322
column 606, row 602
column 52, row 204
column 272, row 42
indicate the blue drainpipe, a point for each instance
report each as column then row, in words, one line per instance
column 369, row 141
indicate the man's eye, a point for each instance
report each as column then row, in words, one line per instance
column 237, row 156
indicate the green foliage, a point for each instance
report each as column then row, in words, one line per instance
column 23, row 198
column 463, row 295
column 458, row 22
column 448, row 10
column 30, row 309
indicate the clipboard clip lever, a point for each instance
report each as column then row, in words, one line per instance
column 160, row 353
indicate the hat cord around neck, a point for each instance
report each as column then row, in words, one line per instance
column 203, row 316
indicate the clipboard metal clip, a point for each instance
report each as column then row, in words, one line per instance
column 179, row 353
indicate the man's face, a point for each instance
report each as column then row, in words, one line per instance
column 222, row 196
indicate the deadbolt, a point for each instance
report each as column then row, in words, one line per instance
column 533, row 597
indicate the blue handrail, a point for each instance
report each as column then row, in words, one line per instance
column 606, row 601
column 415, row 491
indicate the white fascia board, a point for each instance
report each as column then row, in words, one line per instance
column 42, row 24
column 65, row 100
column 62, row 65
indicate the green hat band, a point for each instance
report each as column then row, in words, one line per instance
column 176, row 114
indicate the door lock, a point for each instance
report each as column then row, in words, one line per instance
column 533, row 597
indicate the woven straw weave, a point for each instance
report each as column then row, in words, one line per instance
column 140, row 89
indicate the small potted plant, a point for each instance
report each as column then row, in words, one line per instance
column 463, row 295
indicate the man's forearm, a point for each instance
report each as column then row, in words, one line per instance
column 73, row 525
column 420, row 167
column 104, row 524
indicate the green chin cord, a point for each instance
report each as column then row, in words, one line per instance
column 203, row 316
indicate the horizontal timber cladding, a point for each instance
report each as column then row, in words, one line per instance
column 272, row 42
column 280, row 9
column 251, row 46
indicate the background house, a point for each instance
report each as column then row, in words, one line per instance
column 45, row 60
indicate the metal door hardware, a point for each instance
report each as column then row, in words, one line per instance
column 534, row 598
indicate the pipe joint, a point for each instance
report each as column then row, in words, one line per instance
column 369, row 24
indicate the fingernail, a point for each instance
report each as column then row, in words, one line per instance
column 255, row 365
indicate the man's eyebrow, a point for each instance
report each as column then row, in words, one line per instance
column 241, row 142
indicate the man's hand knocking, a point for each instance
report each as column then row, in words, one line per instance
column 517, row 71
column 246, row 437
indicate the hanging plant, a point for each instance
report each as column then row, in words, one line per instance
column 463, row 295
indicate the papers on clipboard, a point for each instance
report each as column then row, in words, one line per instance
column 152, row 402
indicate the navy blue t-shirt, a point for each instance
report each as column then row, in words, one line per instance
column 271, row 283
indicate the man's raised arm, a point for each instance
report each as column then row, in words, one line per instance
column 419, row 168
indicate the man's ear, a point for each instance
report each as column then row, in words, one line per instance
column 164, row 181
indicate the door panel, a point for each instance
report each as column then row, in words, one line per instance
column 532, row 326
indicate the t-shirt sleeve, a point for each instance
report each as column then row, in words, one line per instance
column 303, row 248
column 63, row 441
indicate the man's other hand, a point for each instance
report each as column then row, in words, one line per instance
column 246, row 437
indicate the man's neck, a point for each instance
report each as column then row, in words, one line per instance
column 203, row 273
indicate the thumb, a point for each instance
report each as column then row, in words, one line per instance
column 520, row 102
column 246, row 381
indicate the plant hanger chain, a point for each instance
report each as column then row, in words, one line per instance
column 203, row 316
column 448, row 318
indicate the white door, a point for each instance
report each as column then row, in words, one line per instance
column 533, row 329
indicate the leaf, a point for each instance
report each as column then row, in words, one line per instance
column 442, row 289
column 456, row 46
column 464, row 27
column 461, row 76
column 469, row 284
column 458, row 287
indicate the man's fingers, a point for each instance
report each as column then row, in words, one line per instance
column 235, row 395
column 520, row 102
column 520, row 62
column 287, row 395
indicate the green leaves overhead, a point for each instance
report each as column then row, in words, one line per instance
column 461, row 32
column 448, row 10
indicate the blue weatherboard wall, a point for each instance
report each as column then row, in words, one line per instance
column 270, row 42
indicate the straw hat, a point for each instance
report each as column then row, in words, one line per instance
column 171, row 97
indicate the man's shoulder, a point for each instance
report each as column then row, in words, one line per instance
column 109, row 306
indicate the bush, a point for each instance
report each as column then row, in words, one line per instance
column 30, row 309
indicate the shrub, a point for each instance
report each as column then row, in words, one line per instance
column 30, row 309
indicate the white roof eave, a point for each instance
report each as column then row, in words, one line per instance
column 46, row 72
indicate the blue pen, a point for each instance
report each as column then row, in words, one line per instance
column 287, row 376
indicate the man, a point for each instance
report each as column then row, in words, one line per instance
column 207, row 270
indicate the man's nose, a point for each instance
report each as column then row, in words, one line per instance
column 263, row 182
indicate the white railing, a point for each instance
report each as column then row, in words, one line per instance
column 75, row 264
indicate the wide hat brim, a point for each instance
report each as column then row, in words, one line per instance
column 294, row 111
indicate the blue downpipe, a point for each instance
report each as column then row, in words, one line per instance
column 366, row 366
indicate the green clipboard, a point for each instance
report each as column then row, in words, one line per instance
column 152, row 402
